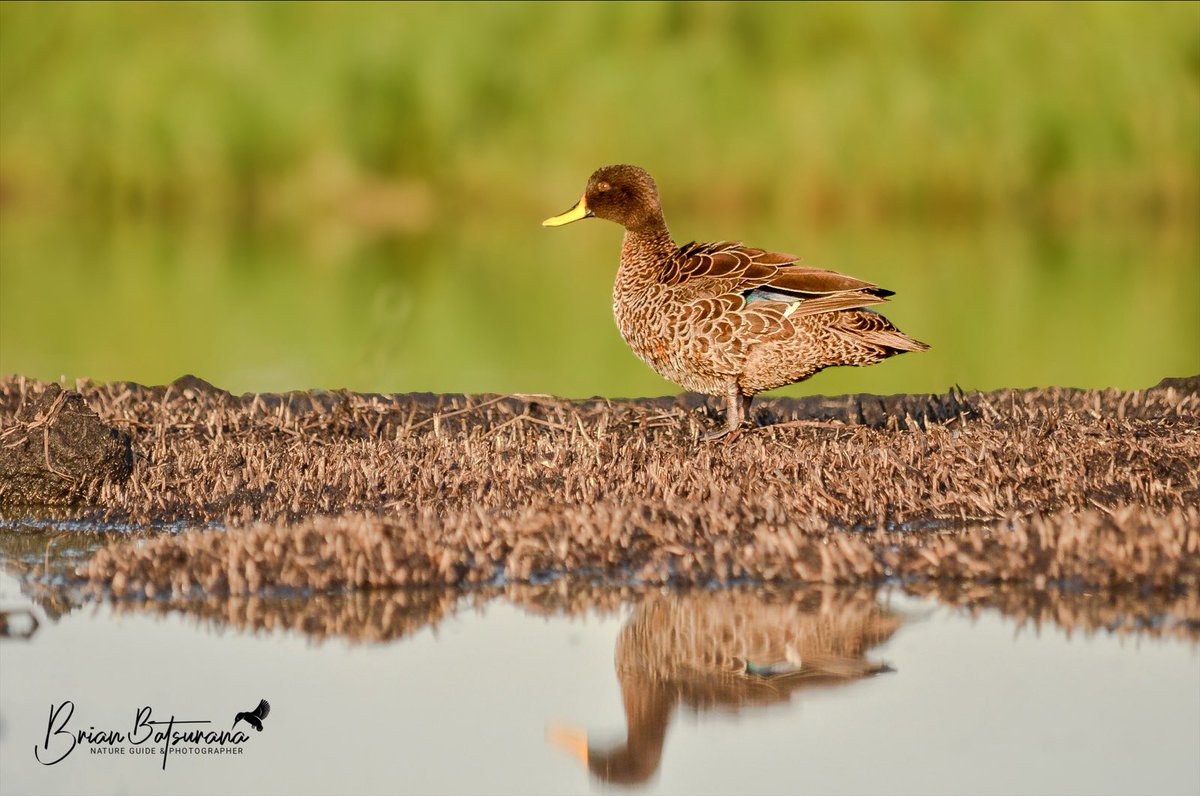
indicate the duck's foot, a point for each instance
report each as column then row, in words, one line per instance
column 737, row 411
column 723, row 434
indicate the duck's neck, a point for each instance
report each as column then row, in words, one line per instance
column 645, row 249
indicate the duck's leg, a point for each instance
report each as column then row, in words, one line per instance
column 733, row 414
column 744, row 409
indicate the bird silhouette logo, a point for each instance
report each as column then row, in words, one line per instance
column 254, row 717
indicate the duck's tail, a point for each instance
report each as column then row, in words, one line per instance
column 867, row 330
column 898, row 341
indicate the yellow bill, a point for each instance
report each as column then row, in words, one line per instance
column 577, row 212
column 571, row 739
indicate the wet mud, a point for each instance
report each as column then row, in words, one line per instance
column 55, row 449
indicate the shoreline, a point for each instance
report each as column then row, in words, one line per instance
column 327, row 491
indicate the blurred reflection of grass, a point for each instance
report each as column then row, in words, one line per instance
column 289, row 196
column 499, row 304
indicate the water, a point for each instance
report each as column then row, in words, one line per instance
column 498, row 303
column 441, row 692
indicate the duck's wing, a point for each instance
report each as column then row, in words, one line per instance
column 730, row 269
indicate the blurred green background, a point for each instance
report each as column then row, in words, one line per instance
column 293, row 196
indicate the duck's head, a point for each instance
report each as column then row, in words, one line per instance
column 632, row 763
column 624, row 194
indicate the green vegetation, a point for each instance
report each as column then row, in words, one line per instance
column 288, row 196
column 894, row 106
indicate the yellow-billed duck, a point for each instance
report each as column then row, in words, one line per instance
column 726, row 319
column 727, row 650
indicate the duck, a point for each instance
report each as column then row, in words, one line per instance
column 723, row 318
column 726, row 651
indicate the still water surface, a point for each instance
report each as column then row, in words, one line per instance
column 779, row 691
column 496, row 303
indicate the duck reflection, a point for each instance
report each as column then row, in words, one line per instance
column 728, row 650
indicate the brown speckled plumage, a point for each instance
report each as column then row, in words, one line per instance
column 728, row 650
column 724, row 318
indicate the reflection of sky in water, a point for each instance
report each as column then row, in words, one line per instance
column 464, row 707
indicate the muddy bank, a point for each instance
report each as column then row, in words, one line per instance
column 54, row 448
column 201, row 454
column 1131, row 548
column 330, row 491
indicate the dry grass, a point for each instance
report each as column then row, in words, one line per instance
column 1122, row 612
column 202, row 454
column 380, row 616
column 645, row 545
column 363, row 617
column 1093, row 487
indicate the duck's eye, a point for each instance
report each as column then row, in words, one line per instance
column 602, row 186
